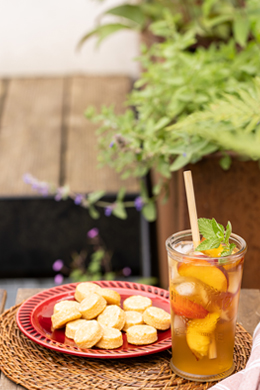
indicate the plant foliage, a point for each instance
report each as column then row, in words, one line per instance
column 190, row 101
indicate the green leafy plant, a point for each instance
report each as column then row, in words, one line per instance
column 215, row 235
column 207, row 19
column 187, row 104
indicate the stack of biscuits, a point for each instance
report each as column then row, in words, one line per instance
column 95, row 318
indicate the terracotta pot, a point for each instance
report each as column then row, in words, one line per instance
column 232, row 195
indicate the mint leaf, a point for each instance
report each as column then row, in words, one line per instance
column 228, row 251
column 205, row 227
column 228, row 232
column 218, row 229
column 215, row 235
column 209, row 243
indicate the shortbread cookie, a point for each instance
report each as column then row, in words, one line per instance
column 72, row 326
column 137, row 303
column 83, row 290
column 111, row 339
column 88, row 334
column 92, row 306
column 112, row 297
column 113, row 317
column 65, row 305
column 141, row 334
column 156, row 317
column 61, row 317
column 132, row 318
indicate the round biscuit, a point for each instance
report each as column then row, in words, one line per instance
column 141, row 334
column 111, row 296
column 113, row 317
column 92, row 306
column 111, row 339
column 88, row 334
column 63, row 305
column 72, row 326
column 60, row 318
column 137, row 303
column 156, row 317
column 83, row 289
column 132, row 318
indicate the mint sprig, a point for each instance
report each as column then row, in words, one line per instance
column 215, row 235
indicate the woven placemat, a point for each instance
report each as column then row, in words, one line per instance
column 35, row 367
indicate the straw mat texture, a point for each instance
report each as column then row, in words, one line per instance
column 35, row 367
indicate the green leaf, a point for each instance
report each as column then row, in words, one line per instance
column 93, row 212
column 209, row 243
column 119, row 210
column 110, row 275
column 228, row 232
column 225, row 162
column 218, row 229
column 93, row 197
column 128, row 11
column 164, row 121
column 228, row 251
column 121, row 194
column 157, row 187
column 149, row 211
column 241, row 28
column 102, row 32
column 205, row 227
column 179, row 162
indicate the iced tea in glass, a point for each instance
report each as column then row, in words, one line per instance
column 204, row 294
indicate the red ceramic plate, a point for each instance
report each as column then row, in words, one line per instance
column 34, row 320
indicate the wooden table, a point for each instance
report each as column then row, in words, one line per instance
column 248, row 317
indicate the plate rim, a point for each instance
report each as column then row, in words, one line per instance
column 29, row 306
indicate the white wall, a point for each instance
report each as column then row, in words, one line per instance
column 39, row 37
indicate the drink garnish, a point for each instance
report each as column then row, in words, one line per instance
column 215, row 236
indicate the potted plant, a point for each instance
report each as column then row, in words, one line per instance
column 196, row 98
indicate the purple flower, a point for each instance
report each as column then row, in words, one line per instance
column 139, row 203
column 27, row 178
column 93, row 233
column 108, row 211
column 78, row 199
column 58, row 279
column 43, row 188
column 184, row 154
column 57, row 265
column 58, row 195
column 126, row 271
column 111, row 144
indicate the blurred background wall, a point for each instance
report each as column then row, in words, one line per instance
column 40, row 38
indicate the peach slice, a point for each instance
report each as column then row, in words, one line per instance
column 213, row 276
column 215, row 252
column 232, row 266
column 183, row 306
column 200, row 333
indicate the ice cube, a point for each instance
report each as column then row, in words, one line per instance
column 186, row 288
column 183, row 247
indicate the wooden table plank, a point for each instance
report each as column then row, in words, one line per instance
column 30, row 134
column 249, row 309
column 2, row 300
column 81, row 171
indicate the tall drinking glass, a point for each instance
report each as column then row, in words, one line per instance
column 204, row 294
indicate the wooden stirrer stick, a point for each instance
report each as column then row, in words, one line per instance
column 192, row 208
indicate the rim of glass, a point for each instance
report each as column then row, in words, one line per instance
column 177, row 237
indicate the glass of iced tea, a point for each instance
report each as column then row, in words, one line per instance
column 204, row 293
